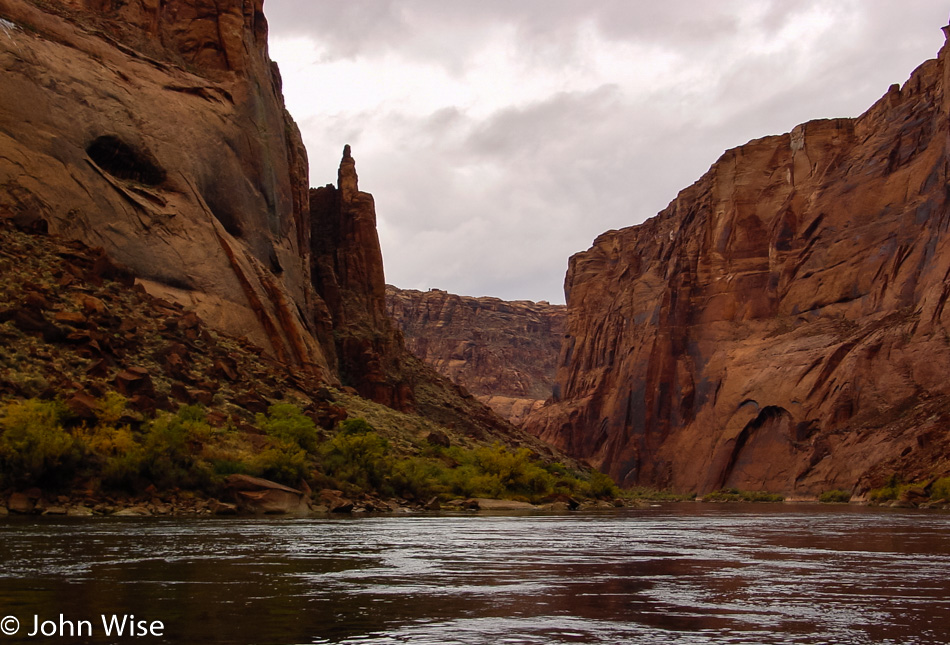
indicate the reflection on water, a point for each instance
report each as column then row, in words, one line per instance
column 672, row 574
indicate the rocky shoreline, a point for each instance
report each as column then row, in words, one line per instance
column 250, row 496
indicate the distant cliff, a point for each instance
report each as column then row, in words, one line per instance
column 502, row 352
column 782, row 324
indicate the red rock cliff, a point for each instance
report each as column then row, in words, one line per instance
column 348, row 270
column 502, row 352
column 782, row 325
column 157, row 131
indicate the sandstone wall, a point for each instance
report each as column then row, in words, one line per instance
column 158, row 132
column 503, row 352
column 782, row 325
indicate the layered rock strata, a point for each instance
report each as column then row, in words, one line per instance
column 782, row 324
column 503, row 352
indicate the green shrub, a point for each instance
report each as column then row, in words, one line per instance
column 419, row 478
column 940, row 489
column 362, row 460
column 602, row 486
column 655, row 495
column 283, row 463
column 112, row 407
column 515, row 471
column 171, row 447
column 886, row 493
column 225, row 467
column 33, row 443
column 356, row 426
column 736, row 495
column 836, row 496
column 289, row 424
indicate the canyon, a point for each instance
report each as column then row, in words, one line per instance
column 782, row 324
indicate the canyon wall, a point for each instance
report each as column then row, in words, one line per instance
column 782, row 324
column 503, row 352
column 157, row 131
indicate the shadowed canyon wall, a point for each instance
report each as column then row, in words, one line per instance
column 503, row 352
column 782, row 324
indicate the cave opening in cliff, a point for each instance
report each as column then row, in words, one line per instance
column 124, row 161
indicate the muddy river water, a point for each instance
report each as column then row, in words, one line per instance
column 677, row 573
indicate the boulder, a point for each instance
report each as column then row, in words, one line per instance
column 439, row 438
column 223, row 508
column 914, row 495
column 335, row 501
column 20, row 504
column 83, row 406
column 261, row 496
column 134, row 381
column 133, row 511
column 483, row 504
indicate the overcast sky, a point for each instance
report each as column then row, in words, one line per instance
column 501, row 136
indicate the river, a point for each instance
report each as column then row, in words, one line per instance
column 677, row 573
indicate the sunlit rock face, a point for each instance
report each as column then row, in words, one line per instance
column 503, row 352
column 782, row 324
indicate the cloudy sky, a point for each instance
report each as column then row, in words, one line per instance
column 501, row 136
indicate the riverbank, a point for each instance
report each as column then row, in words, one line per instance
column 249, row 496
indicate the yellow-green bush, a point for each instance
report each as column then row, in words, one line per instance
column 171, row 448
column 362, row 460
column 418, row 478
column 836, row 496
column 40, row 444
column 289, row 424
column 735, row 495
column 282, row 463
column 34, row 446
column 940, row 489
column 356, row 426
column 601, row 485
column 890, row 491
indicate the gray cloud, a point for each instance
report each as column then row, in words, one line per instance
column 493, row 201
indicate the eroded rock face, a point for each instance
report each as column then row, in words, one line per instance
column 157, row 131
column 348, row 269
column 782, row 325
column 502, row 352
